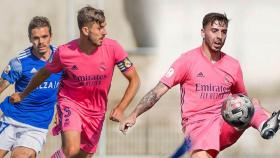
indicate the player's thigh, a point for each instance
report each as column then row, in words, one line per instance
column 23, row 152
column 204, row 154
column 30, row 138
column 91, row 132
column 71, row 140
column 7, row 137
column 229, row 135
column 3, row 153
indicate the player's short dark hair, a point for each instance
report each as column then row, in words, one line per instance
column 212, row 17
column 89, row 15
column 37, row 22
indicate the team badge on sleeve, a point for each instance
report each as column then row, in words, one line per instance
column 7, row 69
column 124, row 65
column 169, row 73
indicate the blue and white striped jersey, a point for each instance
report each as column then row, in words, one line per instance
column 38, row 107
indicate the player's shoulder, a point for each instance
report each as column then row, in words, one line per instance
column 229, row 59
column 108, row 42
column 191, row 54
column 193, row 51
column 24, row 54
column 67, row 47
column 68, row 44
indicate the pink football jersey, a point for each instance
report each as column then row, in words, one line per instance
column 86, row 78
column 204, row 85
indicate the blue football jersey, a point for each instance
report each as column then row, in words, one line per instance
column 38, row 107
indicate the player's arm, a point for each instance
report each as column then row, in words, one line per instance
column 131, row 90
column 147, row 102
column 36, row 80
column 11, row 74
column 150, row 99
column 3, row 85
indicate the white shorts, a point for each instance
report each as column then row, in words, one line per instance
column 14, row 134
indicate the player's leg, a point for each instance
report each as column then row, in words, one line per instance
column 84, row 154
column 71, row 143
column 204, row 154
column 229, row 135
column 71, row 146
column 69, row 125
column 7, row 137
column 3, row 153
column 29, row 141
column 267, row 125
column 204, row 136
column 184, row 148
column 271, row 126
column 23, row 152
column 90, row 135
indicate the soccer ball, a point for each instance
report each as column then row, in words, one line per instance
column 238, row 110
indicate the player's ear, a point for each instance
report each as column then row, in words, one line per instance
column 85, row 30
column 202, row 33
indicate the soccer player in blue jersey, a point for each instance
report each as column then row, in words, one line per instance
column 24, row 126
column 184, row 148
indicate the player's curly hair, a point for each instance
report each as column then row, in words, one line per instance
column 37, row 22
column 89, row 15
column 212, row 17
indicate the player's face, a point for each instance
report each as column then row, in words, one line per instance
column 40, row 38
column 96, row 34
column 214, row 36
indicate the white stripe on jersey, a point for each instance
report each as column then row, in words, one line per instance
column 27, row 52
column 24, row 53
column 24, row 56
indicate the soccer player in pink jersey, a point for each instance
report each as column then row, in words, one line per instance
column 88, row 64
column 207, row 76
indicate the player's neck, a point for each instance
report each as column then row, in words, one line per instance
column 86, row 47
column 213, row 56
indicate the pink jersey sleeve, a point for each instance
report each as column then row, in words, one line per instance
column 55, row 65
column 120, row 54
column 176, row 74
column 238, row 86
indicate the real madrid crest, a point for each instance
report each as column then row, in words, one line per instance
column 7, row 69
column 127, row 63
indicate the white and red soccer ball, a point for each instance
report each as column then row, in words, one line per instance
column 238, row 110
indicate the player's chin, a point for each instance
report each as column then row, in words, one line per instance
column 42, row 52
column 216, row 49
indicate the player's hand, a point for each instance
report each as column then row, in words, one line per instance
column 16, row 97
column 56, row 121
column 127, row 123
column 116, row 114
column 255, row 101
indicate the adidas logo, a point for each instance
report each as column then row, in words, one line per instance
column 200, row 75
column 33, row 70
column 74, row 67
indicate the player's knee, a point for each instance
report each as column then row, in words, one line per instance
column 71, row 151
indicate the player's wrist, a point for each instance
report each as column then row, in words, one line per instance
column 121, row 107
column 22, row 95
